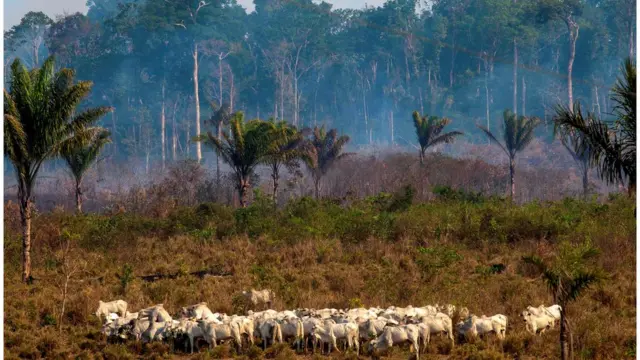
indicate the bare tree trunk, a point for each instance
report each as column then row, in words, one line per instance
column 512, row 172
column 275, row 176
column 421, row 104
column 316, row 183
column 573, row 38
column 24, row 195
column 79, row 195
column 174, row 134
column 197, row 100
column 295, row 99
column 188, row 138
column 163, row 125
column 64, row 300
column 219, row 130
column 220, row 79
column 392, row 129
column 231, row 90
column 524, row 96
column 453, row 61
column 585, row 180
column 631, row 38
column 114, row 133
column 486, row 92
column 595, row 88
column 364, row 109
column 282, row 94
column 515, row 77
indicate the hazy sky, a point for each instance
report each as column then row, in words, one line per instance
column 15, row 9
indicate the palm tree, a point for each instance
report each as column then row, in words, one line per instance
column 285, row 147
column 429, row 132
column 578, row 148
column 39, row 121
column 517, row 134
column 80, row 155
column 567, row 276
column 243, row 149
column 613, row 145
column 323, row 150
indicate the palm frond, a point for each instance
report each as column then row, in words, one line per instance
column 493, row 138
column 580, row 283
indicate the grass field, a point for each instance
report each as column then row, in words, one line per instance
column 380, row 251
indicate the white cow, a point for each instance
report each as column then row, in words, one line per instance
column 191, row 329
column 292, row 327
column 157, row 330
column 200, row 312
column 480, row 326
column 537, row 323
column 439, row 324
column 397, row 335
column 554, row 311
column 330, row 333
column 255, row 297
column 216, row 332
column 269, row 330
column 116, row 306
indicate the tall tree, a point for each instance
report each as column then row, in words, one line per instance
column 39, row 120
column 81, row 154
column 566, row 11
column 429, row 132
column 613, row 145
column 567, row 276
column 219, row 119
column 30, row 33
column 324, row 149
column 243, row 149
column 285, row 148
column 517, row 134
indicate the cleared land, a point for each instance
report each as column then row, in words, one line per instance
column 379, row 251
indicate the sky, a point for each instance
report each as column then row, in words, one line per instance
column 14, row 10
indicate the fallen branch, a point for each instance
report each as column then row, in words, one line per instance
column 201, row 274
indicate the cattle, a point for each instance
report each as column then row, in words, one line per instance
column 269, row 330
column 246, row 326
column 373, row 328
column 216, row 332
column 156, row 330
column 349, row 333
column 323, row 335
column 397, row 335
column 292, row 327
column 105, row 308
column 255, row 297
column 199, row 312
column 537, row 323
column 480, row 326
column 554, row 311
column 191, row 329
column 438, row 324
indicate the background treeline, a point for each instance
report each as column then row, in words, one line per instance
column 361, row 71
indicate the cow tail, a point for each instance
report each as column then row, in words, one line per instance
column 277, row 333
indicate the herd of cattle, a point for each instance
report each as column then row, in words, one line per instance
column 381, row 328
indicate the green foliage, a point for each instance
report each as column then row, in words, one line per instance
column 446, row 193
column 435, row 259
column 429, row 132
column 126, row 277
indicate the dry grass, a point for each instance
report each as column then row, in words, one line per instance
column 322, row 255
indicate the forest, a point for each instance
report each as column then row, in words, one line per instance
column 361, row 71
